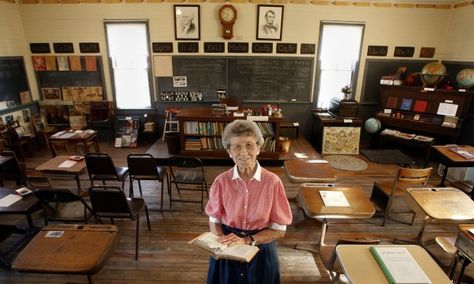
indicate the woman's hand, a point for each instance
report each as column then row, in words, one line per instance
column 232, row 240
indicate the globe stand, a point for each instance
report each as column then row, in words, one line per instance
column 431, row 81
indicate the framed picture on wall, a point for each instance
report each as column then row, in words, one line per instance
column 187, row 22
column 51, row 93
column 269, row 22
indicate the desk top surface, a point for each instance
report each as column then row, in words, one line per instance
column 82, row 249
column 22, row 206
column 360, row 266
column 442, row 203
column 310, row 200
column 452, row 156
column 52, row 165
column 464, row 229
column 309, row 170
column 73, row 135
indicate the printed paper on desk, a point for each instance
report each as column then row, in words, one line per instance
column 471, row 231
column 9, row 200
column 447, row 109
column 318, row 162
column 67, row 164
column 334, row 198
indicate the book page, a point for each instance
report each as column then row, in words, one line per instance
column 9, row 200
column 399, row 266
column 208, row 241
column 239, row 252
column 334, row 198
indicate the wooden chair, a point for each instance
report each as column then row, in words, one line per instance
column 111, row 202
column 14, row 140
column 384, row 192
column 329, row 257
column 42, row 128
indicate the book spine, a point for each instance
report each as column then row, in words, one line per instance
column 382, row 265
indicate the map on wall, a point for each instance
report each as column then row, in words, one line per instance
column 341, row 140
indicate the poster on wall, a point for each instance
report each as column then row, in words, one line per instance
column 341, row 140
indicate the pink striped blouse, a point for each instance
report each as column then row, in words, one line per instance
column 256, row 204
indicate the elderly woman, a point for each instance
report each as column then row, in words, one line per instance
column 247, row 205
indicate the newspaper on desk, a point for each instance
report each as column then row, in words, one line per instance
column 9, row 200
column 67, row 164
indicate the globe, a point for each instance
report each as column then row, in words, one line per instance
column 372, row 125
column 465, row 78
column 432, row 73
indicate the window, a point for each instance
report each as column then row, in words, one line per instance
column 129, row 57
column 339, row 55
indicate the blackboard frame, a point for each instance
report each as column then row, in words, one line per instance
column 296, row 91
column 10, row 89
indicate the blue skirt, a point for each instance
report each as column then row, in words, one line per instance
column 264, row 267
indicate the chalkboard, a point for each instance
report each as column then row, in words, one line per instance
column 376, row 68
column 13, row 79
column 58, row 79
column 272, row 79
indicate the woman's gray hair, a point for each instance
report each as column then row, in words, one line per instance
column 241, row 127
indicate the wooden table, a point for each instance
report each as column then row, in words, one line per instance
column 465, row 252
column 360, row 266
column 25, row 206
column 309, row 170
column 51, row 167
column 440, row 204
column 82, row 249
column 82, row 136
column 451, row 160
column 310, row 200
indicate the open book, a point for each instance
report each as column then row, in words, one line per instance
column 208, row 242
column 466, row 154
column 399, row 266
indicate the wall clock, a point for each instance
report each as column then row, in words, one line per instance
column 227, row 15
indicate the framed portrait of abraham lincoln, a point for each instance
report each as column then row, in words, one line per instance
column 187, row 24
column 269, row 22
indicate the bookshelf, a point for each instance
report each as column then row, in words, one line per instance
column 410, row 109
column 200, row 133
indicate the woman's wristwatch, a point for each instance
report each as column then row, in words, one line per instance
column 253, row 241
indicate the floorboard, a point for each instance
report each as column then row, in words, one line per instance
column 165, row 256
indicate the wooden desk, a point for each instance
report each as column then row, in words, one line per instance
column 25, row 206
column 360, row 267
column 51, row 167
column 450, row 159
column 83, row 249
column 83, row 137
column 309, row 170
column 440, row 204
column 465, row 246
column 310, row 200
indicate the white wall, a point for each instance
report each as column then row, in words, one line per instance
column 459, row 41
column 384, row 26
column 12, row 39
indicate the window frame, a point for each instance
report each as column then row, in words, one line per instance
column 355, row 70
column 149, row 61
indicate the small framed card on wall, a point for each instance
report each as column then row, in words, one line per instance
column 269, row 22
column 187, row 22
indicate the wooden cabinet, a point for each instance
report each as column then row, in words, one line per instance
column 413, row 110
column 200, row 133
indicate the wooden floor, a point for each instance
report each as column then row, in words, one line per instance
column 165, row 256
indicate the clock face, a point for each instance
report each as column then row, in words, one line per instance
column 227, row 14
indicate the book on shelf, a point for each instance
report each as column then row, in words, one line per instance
column 392, row 102
column 208, row 242
column 334, row 198
column 407, row 136
column 423, row 138
column 399, row 266
column 50, row 62
column 420, row 106
column 406, row 104
column 450, row 121
column 388, row 131
column 463, row 152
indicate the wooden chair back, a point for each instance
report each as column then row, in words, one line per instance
column 413, row 176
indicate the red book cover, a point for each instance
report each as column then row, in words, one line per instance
column 420, row 106
column 91, row 63
column 38, row 63
column 392, row 102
